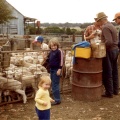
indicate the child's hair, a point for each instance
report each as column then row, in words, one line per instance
column 44, row 79
column 54, row 41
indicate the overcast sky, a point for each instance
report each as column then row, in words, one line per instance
column 62, row 11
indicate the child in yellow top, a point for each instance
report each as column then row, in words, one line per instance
column 42, row 98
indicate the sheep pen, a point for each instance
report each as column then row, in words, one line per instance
column 26, row 67
column 69, row 109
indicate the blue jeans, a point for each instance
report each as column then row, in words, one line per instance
column 43, row 114
column 55, row 85
column 110, row 72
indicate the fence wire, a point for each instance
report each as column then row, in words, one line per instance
column 20, row 71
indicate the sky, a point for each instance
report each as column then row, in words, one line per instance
column 62, row 11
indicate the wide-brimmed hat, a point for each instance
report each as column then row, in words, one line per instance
column 116, row 16
column 38, row 39
column 100, row 15
column 95, row 19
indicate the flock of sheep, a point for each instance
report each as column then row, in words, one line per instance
column 24, row 71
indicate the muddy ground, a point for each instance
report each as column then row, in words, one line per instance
column 69, row 109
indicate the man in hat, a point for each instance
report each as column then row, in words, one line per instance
column 39, row 42
column 110, row 70
column 92, row 31
column 117, row 20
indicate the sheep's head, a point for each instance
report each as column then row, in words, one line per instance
column 18, row 62
column 18, row 75
column 9, row 74
column 40, row 73
column 98, row 31
column 28, row 59
column 43, row 69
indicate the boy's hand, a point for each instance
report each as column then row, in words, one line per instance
column 59, row 72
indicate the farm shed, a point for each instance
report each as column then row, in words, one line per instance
column 17, row 25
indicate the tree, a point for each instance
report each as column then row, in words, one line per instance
column 73, row 31
column 68, row 31
column 5, row 12
column 53, row 29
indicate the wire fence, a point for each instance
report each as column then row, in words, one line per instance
column 20, row 71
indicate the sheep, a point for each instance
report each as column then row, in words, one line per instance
column 27, row 80
column 26, row 64
column 30, row 53
column 70, row 73
column 38, row 74
column 41, row 74
column 11, row 84
column 9, row 74
column 10, row 96
column 33, row 68
column 18, row 61
column 12, row 60
column 40, row 58
column 33, row 57
column 7, row 97
column 43, row 69
column 28, row 59
column 23, row 71
column 26, row 75
column 68, row 63
column 68, row 56
column 20, row 54
column 97, row 36
column 21, row 62
column 12, row 67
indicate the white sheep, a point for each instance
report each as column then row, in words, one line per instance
column 28, row 59
column 97, row 36
column 10, row 96
column 12, row 60
column 34, row 68
column 18, row 61
column 14, row 85
column 40, row 58
column 68, row 63
column 20, row 54
column 12, row 67
column 27, row 80
column 7, row 97
column 26, row 64
column 10, row 74
column 70, row 73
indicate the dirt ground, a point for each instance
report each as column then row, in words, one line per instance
column 69, row 109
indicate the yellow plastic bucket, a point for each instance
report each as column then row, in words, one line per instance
column 82, row 52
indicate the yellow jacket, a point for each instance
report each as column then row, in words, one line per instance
column 42, row 96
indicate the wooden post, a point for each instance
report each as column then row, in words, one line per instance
column 73, row 40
